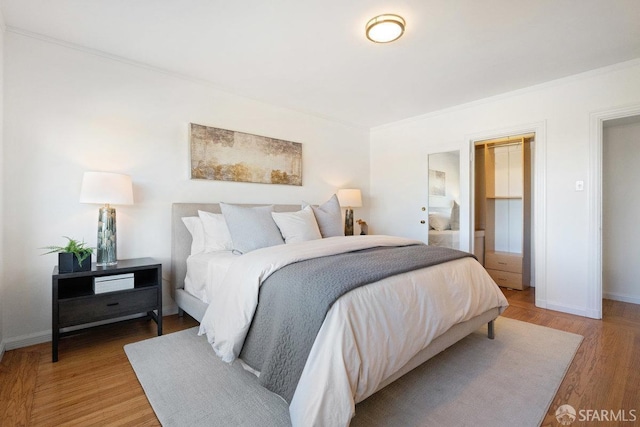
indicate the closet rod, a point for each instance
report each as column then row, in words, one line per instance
column 507, row 139
column 504, row 144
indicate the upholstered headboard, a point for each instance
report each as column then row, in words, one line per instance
column 181, row 238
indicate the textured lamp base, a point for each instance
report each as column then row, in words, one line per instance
column 106, row 248
column 348, row 222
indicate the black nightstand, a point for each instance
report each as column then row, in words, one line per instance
column 75, row 303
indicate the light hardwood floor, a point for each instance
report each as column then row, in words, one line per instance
column 91, row 384
column 94, row 384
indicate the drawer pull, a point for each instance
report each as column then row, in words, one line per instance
column 502, row 263
column 113, row 304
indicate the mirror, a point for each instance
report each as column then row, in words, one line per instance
column 444, row 199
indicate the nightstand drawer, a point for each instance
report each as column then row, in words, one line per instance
column 77, row 311
column 503, row 261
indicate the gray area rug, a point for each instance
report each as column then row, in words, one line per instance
column 477, row 382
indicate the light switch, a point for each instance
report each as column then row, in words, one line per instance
column 579, row 185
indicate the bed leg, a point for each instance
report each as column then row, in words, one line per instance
column 180, row 312
column 490, row 331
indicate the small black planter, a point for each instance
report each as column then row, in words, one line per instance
column 68, row 263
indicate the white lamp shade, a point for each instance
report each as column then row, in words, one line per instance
column 106, row 188
column 350, row 197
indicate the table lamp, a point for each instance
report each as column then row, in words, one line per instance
column 106, row 188
column 349, row 198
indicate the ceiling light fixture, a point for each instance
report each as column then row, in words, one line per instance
column 385, row 28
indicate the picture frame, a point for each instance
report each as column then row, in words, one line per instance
column 227, row 155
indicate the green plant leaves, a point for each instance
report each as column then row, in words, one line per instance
column 79, row 249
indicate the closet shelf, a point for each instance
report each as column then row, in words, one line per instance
column 504, row 197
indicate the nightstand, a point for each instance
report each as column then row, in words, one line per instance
column 75, row 303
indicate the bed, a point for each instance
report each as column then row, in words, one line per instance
column 322, row 396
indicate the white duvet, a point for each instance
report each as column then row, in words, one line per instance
column 204, row 271
column 368, row 334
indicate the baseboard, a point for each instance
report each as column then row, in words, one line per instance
column 621, row 297
column 27, row 340
column 41, row 337
column 578, row 311
column 1, row 349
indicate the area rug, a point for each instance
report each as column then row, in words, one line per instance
column 508, row 381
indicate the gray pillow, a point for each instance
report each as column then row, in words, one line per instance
column 329, row 217
column 251, row 228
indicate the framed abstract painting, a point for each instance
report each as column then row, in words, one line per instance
column 227, row 155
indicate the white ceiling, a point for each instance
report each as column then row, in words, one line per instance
column 312, row 55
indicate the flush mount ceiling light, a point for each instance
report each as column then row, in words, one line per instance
column 385, row 28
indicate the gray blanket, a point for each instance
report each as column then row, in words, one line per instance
column 294, row 301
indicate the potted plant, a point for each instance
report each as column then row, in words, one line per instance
column 72, row 257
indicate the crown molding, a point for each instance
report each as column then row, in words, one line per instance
column 511, row 94
column 174, row 74
column 103, row 54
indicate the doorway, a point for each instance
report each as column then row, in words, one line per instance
column 502, row 208
column 620, row 209
column 595, row 284
column 538, row 197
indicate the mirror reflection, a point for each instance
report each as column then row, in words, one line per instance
column 444, row 199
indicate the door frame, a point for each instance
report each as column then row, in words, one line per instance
column 538, row 197
column 596, row 122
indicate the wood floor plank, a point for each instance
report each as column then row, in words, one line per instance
column 17, row 387
column 94, row 384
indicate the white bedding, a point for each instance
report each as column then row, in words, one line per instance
column 367, row 335
column 204, row 270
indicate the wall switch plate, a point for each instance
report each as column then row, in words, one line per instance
column 579, row 185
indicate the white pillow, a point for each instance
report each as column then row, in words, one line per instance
column 329, row 217
column 439, row 221
column 194, row 225
column 216, row 232
column 251, row 227
column 297, row 226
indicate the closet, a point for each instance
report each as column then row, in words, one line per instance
column 503, row 208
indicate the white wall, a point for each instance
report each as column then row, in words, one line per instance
column 2, row 281
column 562, row 110
column 620, row 213
column 68, row 111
